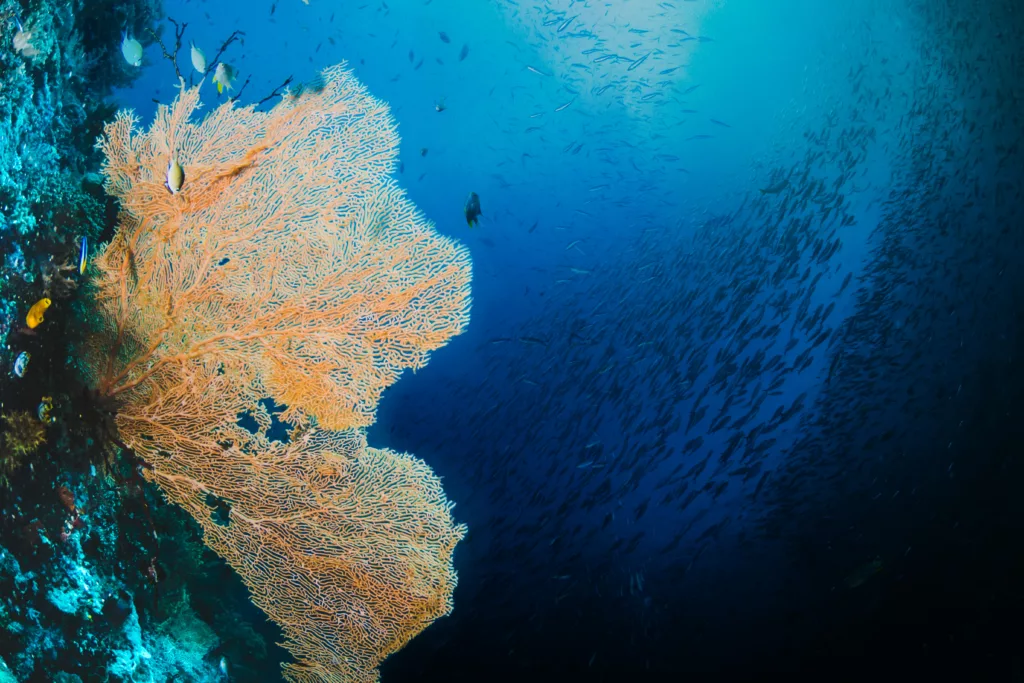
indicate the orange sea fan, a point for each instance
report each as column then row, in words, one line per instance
column 290, row 251
column 289, row 267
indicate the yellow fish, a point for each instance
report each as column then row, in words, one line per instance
column 175, row 176
column 35, row 314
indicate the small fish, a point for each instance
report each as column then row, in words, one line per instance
column 423, row 151
column 565, row 106
column 834, row 365
column 464, row 52
column 444, row 37
column 21, row 363
column 440, row 105
column 198, row 59
column 83, row 255
column 175, row 176
column 720, row 123
column 224, row 76
column 638, row 62
column 35, row 314
column 224, row 668
column 472, row 209
column 131, row 49
column 862, row 574
column 536, row 71
column 776, row 188
column 45, row 410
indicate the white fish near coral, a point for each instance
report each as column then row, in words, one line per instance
column 132, row 50
column 224, row 76
column 198, row 59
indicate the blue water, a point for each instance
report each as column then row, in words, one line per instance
column 629, row 273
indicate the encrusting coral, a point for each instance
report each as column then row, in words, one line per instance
column 23, row 434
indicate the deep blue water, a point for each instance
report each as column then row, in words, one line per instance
column 738, row 390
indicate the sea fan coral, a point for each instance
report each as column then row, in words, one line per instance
column 290, row 267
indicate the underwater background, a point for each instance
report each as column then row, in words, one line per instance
column 740, row 392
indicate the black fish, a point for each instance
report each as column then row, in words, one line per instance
column 833, row 366
column 464, row 52
column 776, row 188
column 444, row 37
column 473, row 211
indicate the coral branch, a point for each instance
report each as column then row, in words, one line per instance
column 276, row 92
column 179, row 33
column 212, row 64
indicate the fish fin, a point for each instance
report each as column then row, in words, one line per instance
column 220, row 88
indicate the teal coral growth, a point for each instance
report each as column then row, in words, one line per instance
column 94, row 568
column 58, row 65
